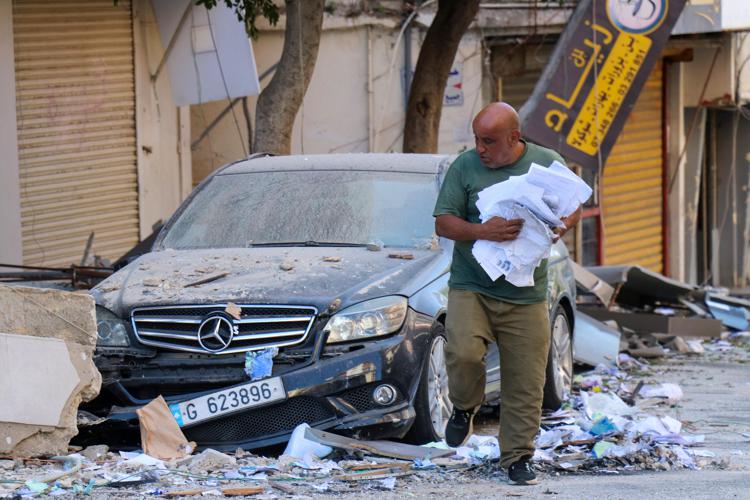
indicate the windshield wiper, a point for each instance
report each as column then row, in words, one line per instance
column 308, row 243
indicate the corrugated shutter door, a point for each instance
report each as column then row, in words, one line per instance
column 75, row 99
column 632, row 185
column 517, row 89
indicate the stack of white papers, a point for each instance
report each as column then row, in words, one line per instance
column 540, row 197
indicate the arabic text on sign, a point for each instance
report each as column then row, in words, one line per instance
column 605, row 98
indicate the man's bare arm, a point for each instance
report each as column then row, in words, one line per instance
column 570, row 221
column 495, row 229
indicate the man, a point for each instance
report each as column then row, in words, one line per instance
column 480, row 310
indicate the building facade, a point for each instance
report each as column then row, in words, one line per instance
column 90, row 143
column 94, row 145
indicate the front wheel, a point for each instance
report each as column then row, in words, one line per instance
column 432, row 405
column 559, row 362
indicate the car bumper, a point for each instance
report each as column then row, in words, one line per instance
column 333, row 392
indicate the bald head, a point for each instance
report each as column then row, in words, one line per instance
column 497, row 132
column 498, row 115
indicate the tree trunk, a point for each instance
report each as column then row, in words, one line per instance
column 431, row 74
column 279, row 102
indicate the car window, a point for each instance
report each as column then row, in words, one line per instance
column 389, row 208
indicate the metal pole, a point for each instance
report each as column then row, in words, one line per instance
column 172, row 41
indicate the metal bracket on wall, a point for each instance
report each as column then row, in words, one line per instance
column 172, row 41
column 226, row 110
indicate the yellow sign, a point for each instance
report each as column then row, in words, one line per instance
column 608, row 93
column 598, row 68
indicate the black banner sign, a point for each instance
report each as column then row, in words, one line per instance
column 595, row 74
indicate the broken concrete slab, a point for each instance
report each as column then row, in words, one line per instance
column 637, row 286
column 47, row 343
column 591, row 283
column 208, row 460
column 656, row 323
column 96, row 452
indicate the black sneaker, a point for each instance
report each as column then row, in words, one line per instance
column 459, row 427
column 521, row 473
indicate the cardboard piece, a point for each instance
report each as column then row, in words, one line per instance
column 656, row 323
column 161, row 437
column 381, row 448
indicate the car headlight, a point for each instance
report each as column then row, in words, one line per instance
column 368, row 319
column 111, row 330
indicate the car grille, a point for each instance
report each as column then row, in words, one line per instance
column 177, row 327
column 261, row 423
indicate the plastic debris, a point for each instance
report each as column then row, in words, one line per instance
column 604, row 404
column 480, row 448
column 388, row 483
column 703, row 453
column 601, row 448
column 425, row 464
column 672, row 392
column 603, row 426
column 142, row 460
column 299, row 446
column 259, row 364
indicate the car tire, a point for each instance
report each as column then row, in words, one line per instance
column 431, row 403
column 559, row 372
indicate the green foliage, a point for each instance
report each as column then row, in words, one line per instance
column 248, row 11
column 330, row 8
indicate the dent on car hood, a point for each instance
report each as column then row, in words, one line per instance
column 314, row 276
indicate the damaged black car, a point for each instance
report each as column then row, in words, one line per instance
column 290, row 290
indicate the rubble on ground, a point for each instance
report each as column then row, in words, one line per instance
column 620, row 417
column 617, row 420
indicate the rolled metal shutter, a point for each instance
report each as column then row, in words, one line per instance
column 75, row 95
column 632, row 184
column 517, row 89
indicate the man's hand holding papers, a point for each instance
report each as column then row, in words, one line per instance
column 500, row 229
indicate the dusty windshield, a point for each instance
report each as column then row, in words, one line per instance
column 354, row 207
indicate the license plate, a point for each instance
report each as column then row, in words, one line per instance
column 231, row 400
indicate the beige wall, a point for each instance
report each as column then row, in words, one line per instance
column 339, row 114
column 742, row 41
column 164, row 173
column 721, row 81
column 10, row 208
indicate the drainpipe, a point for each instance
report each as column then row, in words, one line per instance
column 370, row 95
column 407, row 64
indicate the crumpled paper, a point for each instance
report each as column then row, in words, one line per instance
column 540, row 197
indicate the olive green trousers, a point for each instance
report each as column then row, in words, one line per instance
column 522, row 333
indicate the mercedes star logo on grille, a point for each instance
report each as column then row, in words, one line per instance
column 216, row 333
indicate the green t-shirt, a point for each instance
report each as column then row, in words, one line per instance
column 466, row 177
